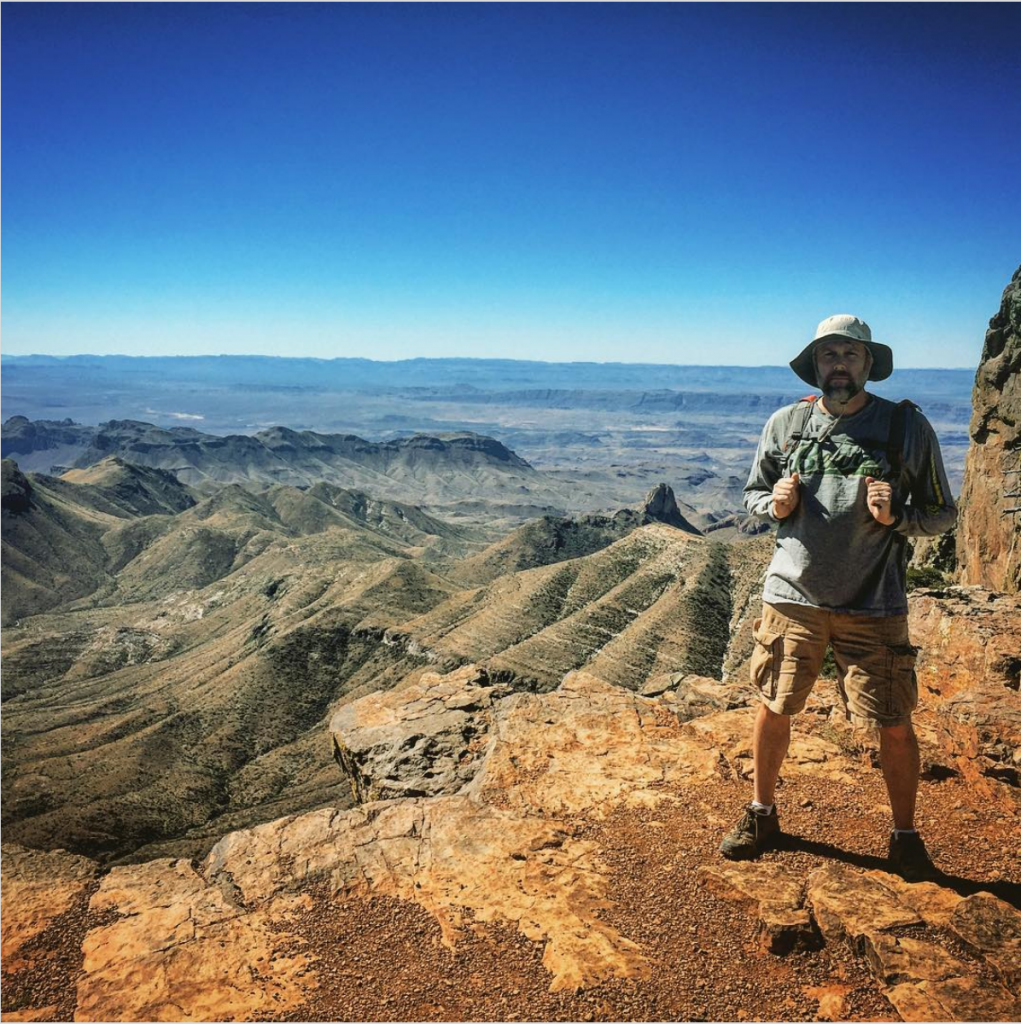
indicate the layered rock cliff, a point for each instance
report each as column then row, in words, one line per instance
column 989, row 527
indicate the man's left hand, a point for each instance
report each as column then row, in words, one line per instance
column 880, row 501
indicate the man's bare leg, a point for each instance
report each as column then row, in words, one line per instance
column 898, row 753
column 770, row 740
column 758, row 829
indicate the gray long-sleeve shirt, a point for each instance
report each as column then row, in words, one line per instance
column 830, row 552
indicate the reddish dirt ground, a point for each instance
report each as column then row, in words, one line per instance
column 383, row 959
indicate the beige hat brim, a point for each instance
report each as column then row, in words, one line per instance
column 882, row 359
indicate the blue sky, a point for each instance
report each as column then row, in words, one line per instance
column 681, row 183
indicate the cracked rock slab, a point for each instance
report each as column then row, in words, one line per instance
column 956, row 999
column 175, row 949
column 992, row 929
column 849, row 905
column 896, row 960
column 783, row 924
column 934, row 904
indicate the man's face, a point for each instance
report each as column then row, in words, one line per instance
column 842, row 367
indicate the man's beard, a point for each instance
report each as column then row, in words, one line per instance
column 841, row 392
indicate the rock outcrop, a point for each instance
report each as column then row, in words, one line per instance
column 661, row 507
column 423, row 740
column 901, row 929
column 989, row 526
column 968, row 672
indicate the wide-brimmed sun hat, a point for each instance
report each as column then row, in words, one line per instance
column 843, row 325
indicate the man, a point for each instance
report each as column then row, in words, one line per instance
column 848, row 478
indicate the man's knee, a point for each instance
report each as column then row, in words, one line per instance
column 767, row 714
column 897, row 733
column 770, row 724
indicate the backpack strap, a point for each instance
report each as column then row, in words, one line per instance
column 898, row 432
column 799, row 421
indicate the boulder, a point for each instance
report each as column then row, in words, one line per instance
column 420, row 741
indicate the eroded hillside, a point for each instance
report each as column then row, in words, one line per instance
column 188, row 691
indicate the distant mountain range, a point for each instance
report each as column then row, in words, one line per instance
column 466, row 474
column 464, row 374
column 608, row 431
column 299, row 458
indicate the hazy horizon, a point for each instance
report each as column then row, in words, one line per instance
column 404, row 359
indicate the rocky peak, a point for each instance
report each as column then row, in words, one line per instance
column 989, row 527
column 661, row 507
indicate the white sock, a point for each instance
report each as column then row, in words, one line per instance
column 905, row 831
column 760, row 808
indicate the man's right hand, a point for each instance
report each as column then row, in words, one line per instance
column 786, row 495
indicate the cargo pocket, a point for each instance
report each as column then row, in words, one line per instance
column 902, row 693
column 767, row 657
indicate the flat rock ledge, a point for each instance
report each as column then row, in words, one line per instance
column 901, row 929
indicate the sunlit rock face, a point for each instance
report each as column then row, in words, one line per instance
column 989, row 527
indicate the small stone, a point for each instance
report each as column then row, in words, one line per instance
column 782, row 929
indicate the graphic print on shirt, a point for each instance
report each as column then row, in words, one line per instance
column 831, row 457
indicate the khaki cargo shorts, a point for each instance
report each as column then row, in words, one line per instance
column 875, row 662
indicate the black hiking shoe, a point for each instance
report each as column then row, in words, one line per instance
column 751, row 835
column 909, row 858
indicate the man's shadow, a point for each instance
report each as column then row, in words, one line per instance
column 1009, row 892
